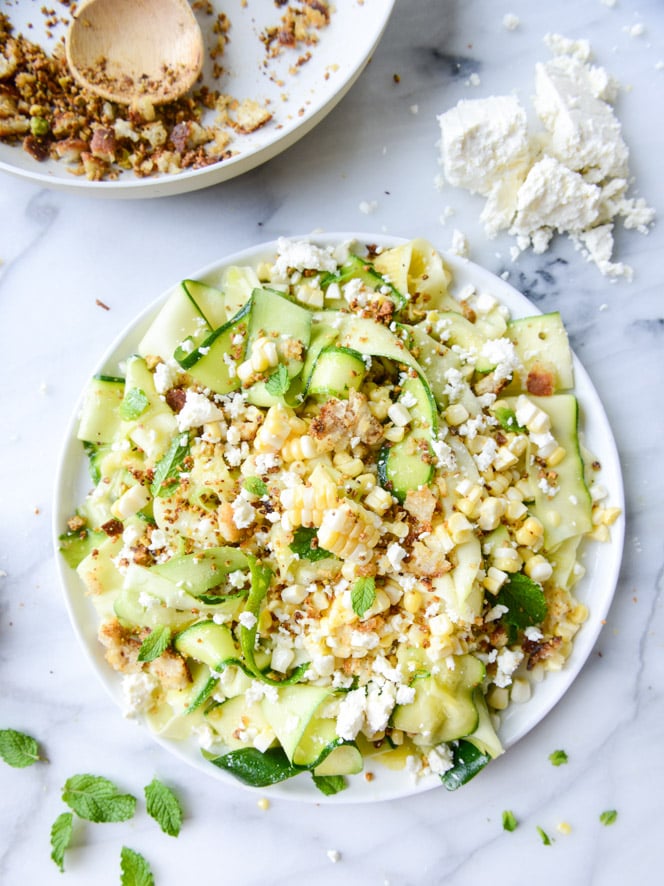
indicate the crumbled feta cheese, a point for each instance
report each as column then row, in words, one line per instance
column 302, row 256
column 334, row 855
column 368, row 206
column 351, row 714
column 139, row 692
column 507, row 662
column 502, row 353
column 247, row 620
column 440, row 759
column 511, row 22
column 460, row 245
column 243, row 512
column 197, row 411
column 395, row 555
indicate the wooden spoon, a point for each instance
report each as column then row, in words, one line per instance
column 130, row 51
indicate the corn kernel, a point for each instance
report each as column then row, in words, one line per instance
column 456, row 414
column 494, row 579
column 606, row 516
column 349, row 466
column 459, row 528
column 518, row 444
column 520, row 691
column 399, row 415
column 504, row 459
column 579, row 614
column 538, row 568
column 490, row 512
column 498, row 698
column 564, row 828
column 395, row 434
column 530, row 533
column 378, row 500
column 506, row 559
column 600, row 533
column 412, row 601
column 556, row 457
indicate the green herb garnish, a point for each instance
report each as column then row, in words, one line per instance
column 362, row 595
column 166, row 468
column 61, row 834
column 330, row 784
column 279, row 382
column 255, row 486
column 524, row 599
column 164, row 807
column 134, row 404
column 507, row 419
column 509, row 820
column 135, row 869
column 17, row 749
column 546, row 839
column 608, row 817
column 97, row 799
column 155, row 644
column 304, row 546
column 558, row 758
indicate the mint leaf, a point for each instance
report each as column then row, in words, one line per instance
column 167, row 466
column 164, row 807
column 509, row 821
column 97, row 799
column 525, row 601
column 17, row 749
column 362, row 595
column 134, row 403
column 558, row 758
column 155, row 644
column 279, row 382
column 255, row 486
column 305, row 544
column 608, row 817
column 330, row 784
column 61, row 832
column 135, row 869
column 507, row 419
column 546, row 839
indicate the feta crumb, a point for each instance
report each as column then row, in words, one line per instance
column 139, row 692
column 511, row 21
column 197, row 411
column 248, row 620
column 334, row 855
column 301, row 255
column 368, row 206
column 460, row 245
column 351, row 714
column 507, row 661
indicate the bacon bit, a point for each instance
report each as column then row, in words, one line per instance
column 75, row 524
column 538, row 650
column 175, row 398
column 540, row 382
column 113, row 528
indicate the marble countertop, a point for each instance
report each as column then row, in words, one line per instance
column 62, row 253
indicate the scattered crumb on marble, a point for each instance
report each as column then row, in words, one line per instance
column 511, row 22
column 334, row 855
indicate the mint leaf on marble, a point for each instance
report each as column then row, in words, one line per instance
column 546, row 839
column 61, row 833
column 558, row 758
column 509, row 821
column 97, row 799
column 135, row 869
column 608, row 817
column 18, row 749
column 164, row 807
column 155, row 644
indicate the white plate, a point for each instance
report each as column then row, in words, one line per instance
column 298, row 103
column 596, row 589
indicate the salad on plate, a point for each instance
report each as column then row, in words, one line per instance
column 336, row 515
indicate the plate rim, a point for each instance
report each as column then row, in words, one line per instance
column 190, row 180
column 71, row 453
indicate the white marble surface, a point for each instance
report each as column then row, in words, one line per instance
column 62, row 252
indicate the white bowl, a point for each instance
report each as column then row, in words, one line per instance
column 595, row 590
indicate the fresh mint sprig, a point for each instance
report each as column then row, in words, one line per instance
column 162, row 804
column 97, row 799
column 18, row 749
